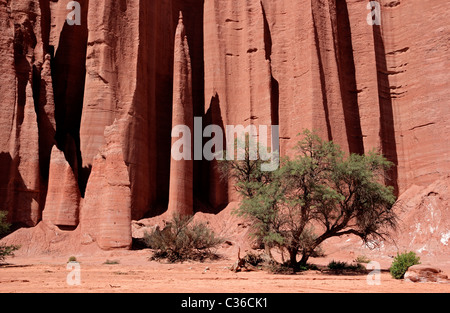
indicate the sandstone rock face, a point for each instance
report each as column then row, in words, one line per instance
column 425, row 274
column 297, row 64
column 424, row 214
column 22, row 53
column 331, row 72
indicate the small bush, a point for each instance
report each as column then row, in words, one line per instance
column 254, row 259
column 112, row 262
column 338, row 266
column 5, row 251
column 280, row 268
column 72, row 259
column 4, row 226
column 402, row 262
column 287, row 269
column 182, row 240
column 362, row 259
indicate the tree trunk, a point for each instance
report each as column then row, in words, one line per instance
column 268, row 251
column 293, row 256
column 305, row 258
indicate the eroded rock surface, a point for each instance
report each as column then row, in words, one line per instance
column 298, row 64
column 425, row 274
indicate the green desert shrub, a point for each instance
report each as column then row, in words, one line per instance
column 254, row 259
column 402, row 262
column 287, row 269
column 182, row 239
column 280, row 268
column 362, row 259
column 339, row 266
column 112, row 262
column 5, row 250
column 4, row 226
column 72, row 259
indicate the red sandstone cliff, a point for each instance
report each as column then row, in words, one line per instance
column 100, row 96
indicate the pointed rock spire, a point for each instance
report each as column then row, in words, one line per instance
column 27, row 195
column 181, row 171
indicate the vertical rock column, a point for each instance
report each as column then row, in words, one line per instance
column 63, row 195
column 27, row 179
column 181, row 171
column 105, row 214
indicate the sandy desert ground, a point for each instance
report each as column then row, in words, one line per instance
column 134, row 273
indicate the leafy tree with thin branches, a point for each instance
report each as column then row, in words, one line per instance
column 319, row 194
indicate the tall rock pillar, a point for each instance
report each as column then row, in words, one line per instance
column 63, row 196
column 105, row 215
column 181, row 171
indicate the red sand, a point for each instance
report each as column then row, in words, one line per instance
column 135, row 274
